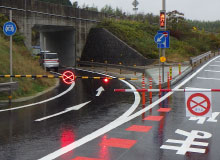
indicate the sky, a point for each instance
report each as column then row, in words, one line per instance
column 203, row 10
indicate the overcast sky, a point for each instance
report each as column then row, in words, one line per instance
column 208, row 10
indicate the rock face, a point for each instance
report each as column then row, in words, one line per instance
column 103, row 46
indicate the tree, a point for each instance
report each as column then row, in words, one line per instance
column 108, row 10
column 75, row 4
column 63, row 2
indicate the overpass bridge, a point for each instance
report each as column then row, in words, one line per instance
column 62, row 29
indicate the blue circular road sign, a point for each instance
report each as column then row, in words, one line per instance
column 159, row 38
column 9, row 28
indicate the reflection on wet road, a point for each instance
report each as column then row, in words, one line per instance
column 21, row 137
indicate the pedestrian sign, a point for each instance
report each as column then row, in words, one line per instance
column 162, row 39
column 9, row 28
column 198, row 104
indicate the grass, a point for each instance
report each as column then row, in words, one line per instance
column 23, row 64
column 184, row 43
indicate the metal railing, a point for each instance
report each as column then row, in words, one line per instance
column 129, row 68
column 194, row 61
column 5, row 87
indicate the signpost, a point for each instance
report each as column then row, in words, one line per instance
column 9, row 29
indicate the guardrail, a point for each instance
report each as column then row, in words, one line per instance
column 5, row 87
column 129, row 68
column 194, row 61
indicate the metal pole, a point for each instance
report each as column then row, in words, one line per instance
column 11, row 71
column 163, row 49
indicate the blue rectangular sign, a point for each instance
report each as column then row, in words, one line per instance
column 166, row 43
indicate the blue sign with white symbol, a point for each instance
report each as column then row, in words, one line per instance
column 9, row 28
column 162, row 39
column 159, row 38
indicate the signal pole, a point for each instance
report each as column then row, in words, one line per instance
column 164, row 29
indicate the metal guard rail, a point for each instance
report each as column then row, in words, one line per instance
column 134, row 69
column 8, row 86
column 194, row 60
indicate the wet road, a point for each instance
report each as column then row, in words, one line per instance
column 149, row 134
column 159, row 134
column 24, row 138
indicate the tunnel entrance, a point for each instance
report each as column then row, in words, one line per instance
column 59, row 39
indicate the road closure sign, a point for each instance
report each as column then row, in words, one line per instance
column 198, row 104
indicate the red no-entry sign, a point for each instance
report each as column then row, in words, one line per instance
column 68, row 77
column 198, row 104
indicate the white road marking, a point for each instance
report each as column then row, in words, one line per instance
column 99, row 90
column 205, row 78
column 211, row 71
column 201, row 120
column 214, row 65
column 121, row 120
column 190, row 140
column 44, row 101
column 77, row 107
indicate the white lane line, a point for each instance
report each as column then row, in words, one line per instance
column 208, row 78
column 44, row 101
column 116, row 122
column 77, row 107
column 214, row 65
column 211, row 71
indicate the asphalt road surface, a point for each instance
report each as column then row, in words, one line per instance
column 101, row 131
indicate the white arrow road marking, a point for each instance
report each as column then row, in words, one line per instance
column 77, row 107
column 99, row 90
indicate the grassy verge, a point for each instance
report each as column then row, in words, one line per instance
column 184, row 42
column 23, row 64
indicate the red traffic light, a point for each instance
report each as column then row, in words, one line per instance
column 105, row 80
column 68, row 77
column 162, row 19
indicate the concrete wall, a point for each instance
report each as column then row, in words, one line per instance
column 29, row 14
column 103, row 46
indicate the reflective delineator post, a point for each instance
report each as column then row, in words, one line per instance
column 171, row 73
column 168, row 80
column 150, row 87
column 160, row 85
column 179, row 68
column 120, row 68
column 143, row 93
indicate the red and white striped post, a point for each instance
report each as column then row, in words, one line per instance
column 168, row 80
column 159, row 84
column 150, row 87
column 143, row 93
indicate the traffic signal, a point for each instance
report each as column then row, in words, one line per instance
column 162, row 19
column 106, row 80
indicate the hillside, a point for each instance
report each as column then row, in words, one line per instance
column 23, row 63
column 184, row 42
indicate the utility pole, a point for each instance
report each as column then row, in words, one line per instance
column 11, row 61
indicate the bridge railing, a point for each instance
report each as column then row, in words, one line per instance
column 195, row 61
column 5, row 87
column 121, row 67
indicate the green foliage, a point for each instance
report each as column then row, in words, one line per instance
column 63, row 2
column 184, row 42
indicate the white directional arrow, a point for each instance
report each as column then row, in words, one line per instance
column 77, row 107
column 159, row 39
column 99, row 90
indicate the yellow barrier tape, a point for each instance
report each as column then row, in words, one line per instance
column 84, row 77
column 17, row 76
column 28, row 76
column 97, row 77
column 39, row 76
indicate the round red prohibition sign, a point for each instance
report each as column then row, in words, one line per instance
column 68, row 77
column 198, row 108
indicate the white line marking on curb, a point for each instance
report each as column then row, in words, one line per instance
column 77, row 107
column 211, row 71
column 208, row 78
column 116, row 122
column 47, row 100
